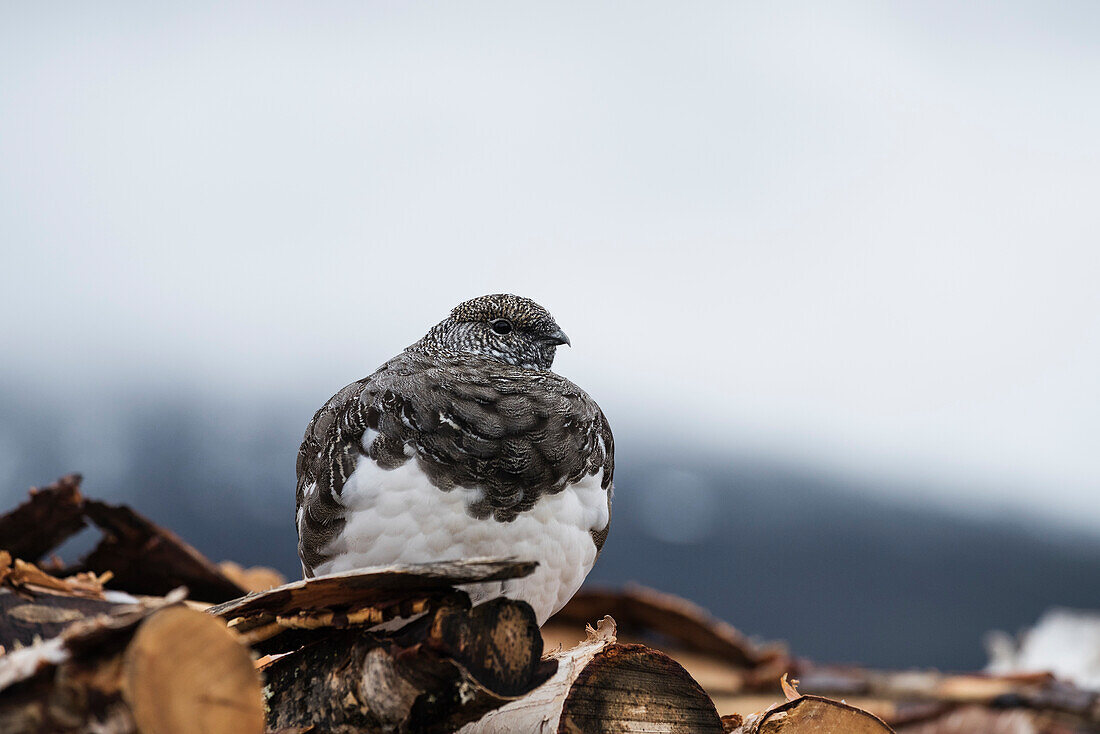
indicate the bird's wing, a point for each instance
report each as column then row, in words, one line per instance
column 329, row 452
column 516, row 434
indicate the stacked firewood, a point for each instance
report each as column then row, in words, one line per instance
column 144, row 634
column 741, row 676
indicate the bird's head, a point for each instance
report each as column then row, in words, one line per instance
column 499, row 326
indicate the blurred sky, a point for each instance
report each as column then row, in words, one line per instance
column 862, row 237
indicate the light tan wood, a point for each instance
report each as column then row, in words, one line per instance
column 813, row 715
column 185, row 672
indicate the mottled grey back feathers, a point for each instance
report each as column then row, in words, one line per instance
column 468, row 419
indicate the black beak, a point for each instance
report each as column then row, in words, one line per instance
column 556, row 337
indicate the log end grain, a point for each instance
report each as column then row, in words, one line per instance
column 185, row 672
column 817, row 715
column 630, row 688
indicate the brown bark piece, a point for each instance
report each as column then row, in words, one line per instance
column 148, row 559
column 369, row 585
column 49, row 516
column 35, row 605
column 637, row 609
column 185, row 673
column 143, row 557
column 435, row 675
column 27, row 617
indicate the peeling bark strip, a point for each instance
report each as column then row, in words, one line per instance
column 145, row 558
column 25, row 618
column 36, row 606
column 48, row 517
column 142, row 557
column 435, row 675
column 369, row 585
column 603, row 687
column 638, row 610
column 285, row 618
column 157, row 667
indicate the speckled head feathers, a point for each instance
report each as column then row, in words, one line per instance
column 499, row 326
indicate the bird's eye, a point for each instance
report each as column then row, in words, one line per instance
column 501, row 326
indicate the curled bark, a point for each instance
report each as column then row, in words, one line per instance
column 145, row 558
column 714, row 652
column 35, row 605
column 141, row 556
column 49, row 516
column 284, row 618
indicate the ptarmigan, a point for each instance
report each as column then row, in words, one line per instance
column 465, row 445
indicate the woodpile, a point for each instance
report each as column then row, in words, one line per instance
column 154, row 666
column 742, row 677
column 325, row 664
column 146, row 635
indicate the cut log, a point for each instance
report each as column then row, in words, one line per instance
column 602, row 686
column 49, row 516
column 436, row 674
column 813, row 715
column 155, row 667
column 145, row 558
column 183, row 672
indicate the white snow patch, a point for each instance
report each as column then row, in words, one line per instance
column 1065, row 642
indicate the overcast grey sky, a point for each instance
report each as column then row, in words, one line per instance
column 861, row 236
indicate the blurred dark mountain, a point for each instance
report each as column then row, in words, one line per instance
column 779, row 552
